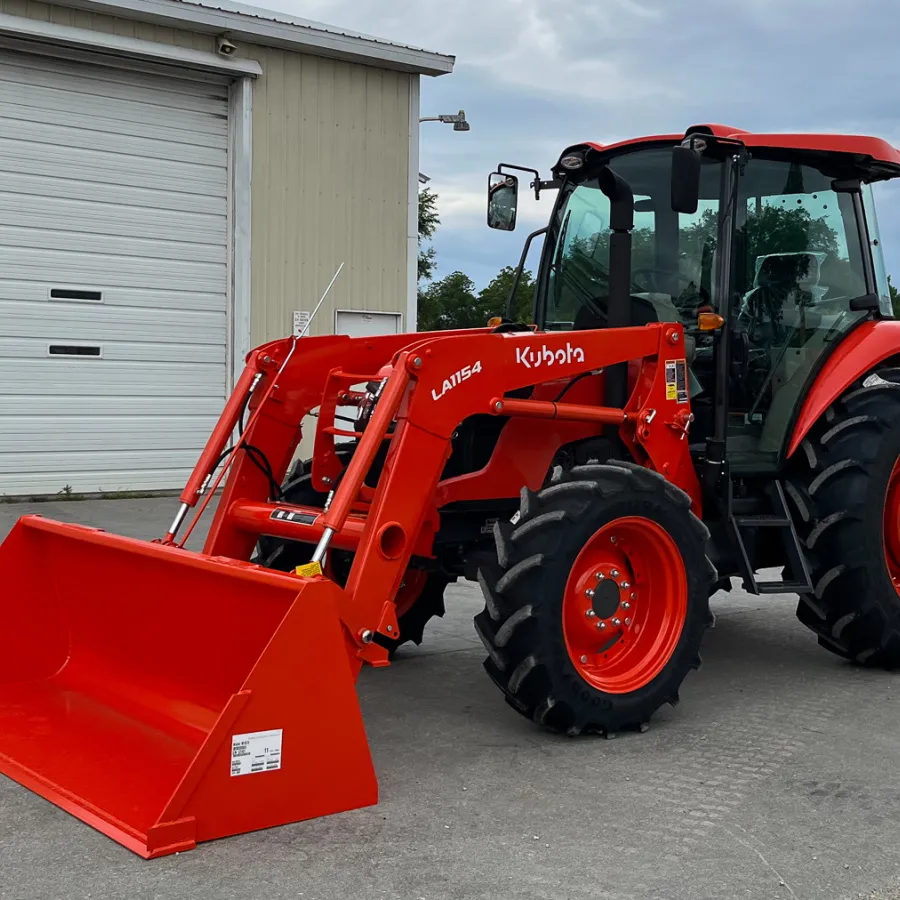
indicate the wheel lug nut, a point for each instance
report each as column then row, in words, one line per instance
column 589, row 592
column 626, row 605
column 614, row 573
column 617, row 621
column 584, row 659
column 590, row 614
column 600, row 576
column 601, row 625
column 625, row 585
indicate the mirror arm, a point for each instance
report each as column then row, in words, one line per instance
column 536, row 185
column 551, row 185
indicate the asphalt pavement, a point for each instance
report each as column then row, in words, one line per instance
column 778, row 776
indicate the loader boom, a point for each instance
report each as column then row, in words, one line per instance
column 425, row 399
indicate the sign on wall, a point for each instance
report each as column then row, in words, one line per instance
column 301, row 320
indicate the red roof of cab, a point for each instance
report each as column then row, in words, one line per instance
column 860, row 145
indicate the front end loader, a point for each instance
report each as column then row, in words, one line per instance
column 709, row 388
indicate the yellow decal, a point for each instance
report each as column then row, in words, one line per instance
column 309, row 570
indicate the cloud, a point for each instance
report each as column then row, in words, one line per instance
column 539, row 45
column 535, row 76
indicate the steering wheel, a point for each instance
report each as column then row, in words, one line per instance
column 686, row 280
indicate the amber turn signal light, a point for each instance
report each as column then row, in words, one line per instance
column 709, row 321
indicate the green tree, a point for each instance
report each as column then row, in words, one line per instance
column 773, row 229
column 495, row 296
column 449, row 303
column 452, row 302
column 895, row 297
column 428, row 223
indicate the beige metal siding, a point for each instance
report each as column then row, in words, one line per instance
column 77, row 18
column 330, row 185
column 330, row 175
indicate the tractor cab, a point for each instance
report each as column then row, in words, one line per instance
column 764, row 247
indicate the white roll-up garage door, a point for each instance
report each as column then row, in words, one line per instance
column 113, row 275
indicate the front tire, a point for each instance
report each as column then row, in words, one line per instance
column 596, row 608
column 846, row 491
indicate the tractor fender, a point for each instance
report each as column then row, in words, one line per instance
column 861, row 350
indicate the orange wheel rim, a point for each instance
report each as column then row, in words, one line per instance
column 625, row 604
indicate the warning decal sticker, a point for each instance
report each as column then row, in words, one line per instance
column 258, row 751
column 676, row 380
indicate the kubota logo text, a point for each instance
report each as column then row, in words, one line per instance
column 532, row 357
column 464, row 374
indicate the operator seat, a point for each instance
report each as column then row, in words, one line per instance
column 784, row 287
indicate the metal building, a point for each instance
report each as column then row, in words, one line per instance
column 178, row 182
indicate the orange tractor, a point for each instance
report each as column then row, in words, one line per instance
column 712, row 389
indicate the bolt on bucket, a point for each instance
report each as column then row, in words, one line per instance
column 167, row 698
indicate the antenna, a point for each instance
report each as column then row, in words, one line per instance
column 185, row 507
column 309, row 321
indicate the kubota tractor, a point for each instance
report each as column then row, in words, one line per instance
column 710, row 388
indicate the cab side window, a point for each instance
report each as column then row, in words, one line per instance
column 798, row 264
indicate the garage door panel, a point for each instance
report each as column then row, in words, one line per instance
column 111, row 182
column 109, row 245
column 74, row 405
column 40, row 484
column 62, row 113
column 56, row 188
column 27, row 96
column 91, row 321
column 111, row 351
column 37, row 434
column 145, row 91
column 191, row 84
column 25, row 211
column 111, row 168
column 157, row 301
column 92, row 136
column 28, row 377
column 75, row 268
column 94, row 470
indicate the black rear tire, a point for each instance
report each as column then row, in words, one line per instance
column 285, row 556
column 839, row 489
column 522, row 624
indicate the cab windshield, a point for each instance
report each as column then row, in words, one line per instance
column 672, row 254
column 797, row 262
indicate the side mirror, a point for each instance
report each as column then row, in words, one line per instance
column 503, row 199
column 685, row 180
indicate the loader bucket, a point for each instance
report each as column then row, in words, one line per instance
column 167, row 698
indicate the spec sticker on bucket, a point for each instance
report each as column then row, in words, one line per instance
column 258, row 751
column 676, row 380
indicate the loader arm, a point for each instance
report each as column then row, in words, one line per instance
column 277, row 430
column 433, row 385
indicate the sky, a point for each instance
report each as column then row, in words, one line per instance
column 535, row 76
